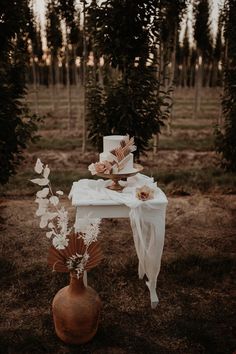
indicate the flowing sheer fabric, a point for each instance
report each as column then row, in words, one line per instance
column 147, row 219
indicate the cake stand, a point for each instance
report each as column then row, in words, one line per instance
column 116, row 177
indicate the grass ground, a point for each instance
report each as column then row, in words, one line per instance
column 196, row 285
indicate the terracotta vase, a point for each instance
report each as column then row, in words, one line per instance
column 76, row 311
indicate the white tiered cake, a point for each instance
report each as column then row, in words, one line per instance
column 110, row 143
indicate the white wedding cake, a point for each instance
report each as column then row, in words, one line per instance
column 114, row 147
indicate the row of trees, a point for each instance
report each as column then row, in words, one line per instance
column 72, row 54
column 137, row 41
column 69, row 45
column 17, row 126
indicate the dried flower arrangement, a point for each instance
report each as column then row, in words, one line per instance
column 120, row 154
column 70, row 252
column 77, row 257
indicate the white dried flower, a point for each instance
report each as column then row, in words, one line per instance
column 73, row 261
column 40, row 181
column 77, row 263
column 45, row 219
column 54, row 200
column 88, row 229
column 46, row 172
column 38, row 166
column 49, row 234
column 60, row 242
column 57, row 220
column 92, row 169
column 43, row 193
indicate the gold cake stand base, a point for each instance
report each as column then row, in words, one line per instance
column 115, row 186
column 116, row 177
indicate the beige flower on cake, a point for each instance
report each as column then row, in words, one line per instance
column 100, row 167
column 144, row 193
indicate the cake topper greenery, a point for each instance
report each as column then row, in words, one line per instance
column 71, row 251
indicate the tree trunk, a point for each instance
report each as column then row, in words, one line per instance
column 69, row 113
column 57, row 76
column 214, row 73
column 75, row 72
column 84, row 133
column 220, row 120
column 192, row 75
column 36, row 99
column 159, row 74
column 198, row 86
column 51, row 83
column 172, row 79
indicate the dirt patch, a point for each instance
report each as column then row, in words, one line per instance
column 196, row 280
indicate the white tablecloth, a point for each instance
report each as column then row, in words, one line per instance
column 147, row 219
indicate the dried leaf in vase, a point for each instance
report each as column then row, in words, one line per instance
column 58, row 259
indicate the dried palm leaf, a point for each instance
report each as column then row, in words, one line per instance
column 126, row 147
column 58, row 259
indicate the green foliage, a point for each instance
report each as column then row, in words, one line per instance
column 54, row 34
column 122, row 30
column 131, row 108
column 170, row 16
column 126, row 34
column 34, row 33
column 72, row 19
column 96, row 116
column 17, row 127
column 186, row 46
column 218, row 44
column 202, row 32
column 226, row 137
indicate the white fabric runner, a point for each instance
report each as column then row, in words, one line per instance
column 148, row 227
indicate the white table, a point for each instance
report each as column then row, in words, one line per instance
column 108, row 209
column 93, row 200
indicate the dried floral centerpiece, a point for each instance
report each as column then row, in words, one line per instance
column 76, row 308
column 55, row 217
column 144, row 193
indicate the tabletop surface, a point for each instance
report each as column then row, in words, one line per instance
column 81, row 195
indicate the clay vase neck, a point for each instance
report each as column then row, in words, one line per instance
column 76, row 310
column 76, row 285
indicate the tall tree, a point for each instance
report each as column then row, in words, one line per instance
column 54, row 42
column 186, row 56
column 67, row 8
column 226, row 137
column 124, row 34
column 203, row 38
column 16, row 125
column 35, row 51
column 170, row 14
column 217, row 53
